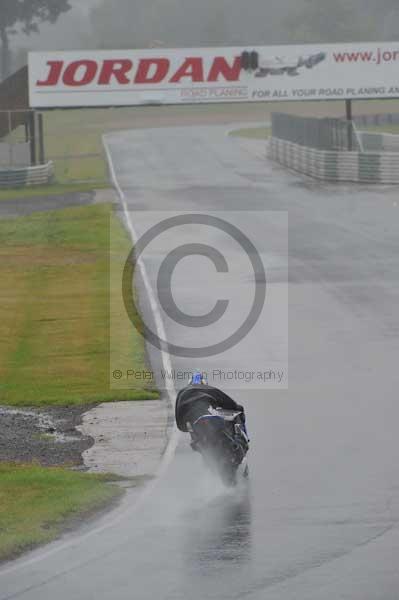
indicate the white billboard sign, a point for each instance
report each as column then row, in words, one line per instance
column 202, row 75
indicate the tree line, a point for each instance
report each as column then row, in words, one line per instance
column 148, row 23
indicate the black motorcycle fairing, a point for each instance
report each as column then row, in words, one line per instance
column 201, row 396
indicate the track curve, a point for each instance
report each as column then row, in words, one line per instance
column 320, row 517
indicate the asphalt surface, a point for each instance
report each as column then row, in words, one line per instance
column 22, row 207
column 319, row 519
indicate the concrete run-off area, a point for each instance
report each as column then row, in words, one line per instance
column 129, row 437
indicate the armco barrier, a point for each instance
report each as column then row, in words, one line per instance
column 26, row 176
column 330, row 165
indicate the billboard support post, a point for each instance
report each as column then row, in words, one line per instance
column 32, row 137
column 349, row 117
column 41, row 139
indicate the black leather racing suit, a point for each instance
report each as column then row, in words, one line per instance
column 194, row 400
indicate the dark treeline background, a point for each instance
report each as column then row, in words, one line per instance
column 143, row 23
column 181, row 22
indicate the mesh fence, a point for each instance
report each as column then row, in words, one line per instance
column 323, row 134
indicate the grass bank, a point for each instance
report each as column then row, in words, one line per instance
column 254, row 133
column 394, row 128
column 73, row 139
column 262, row 133
column 36, row 504
column 55, row 189
column 58, row 277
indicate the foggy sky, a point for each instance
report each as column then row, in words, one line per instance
column 67, row 32
column 139, row 23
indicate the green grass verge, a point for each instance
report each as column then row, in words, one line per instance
column 381, row 129
column 48, row 190
column 254, row 133
column 73, row 140
column 37, row 503
column 58, row 278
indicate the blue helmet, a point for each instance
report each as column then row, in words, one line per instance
column 198, row 378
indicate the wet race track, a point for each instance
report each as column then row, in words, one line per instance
column 319, row 518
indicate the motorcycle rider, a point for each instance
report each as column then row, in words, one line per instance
column 198, row 399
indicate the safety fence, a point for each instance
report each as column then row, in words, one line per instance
column 323, row 134
column 27, row 176
column 310, row 147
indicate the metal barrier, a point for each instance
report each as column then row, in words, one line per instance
column 333, row 150
column 322, row 134
column 26, row 176
column 335, row 165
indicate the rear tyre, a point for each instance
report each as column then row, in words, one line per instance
column 229, row 476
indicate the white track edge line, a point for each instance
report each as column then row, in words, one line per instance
column 170, row 387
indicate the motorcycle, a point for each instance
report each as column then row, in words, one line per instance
column 221, row 439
